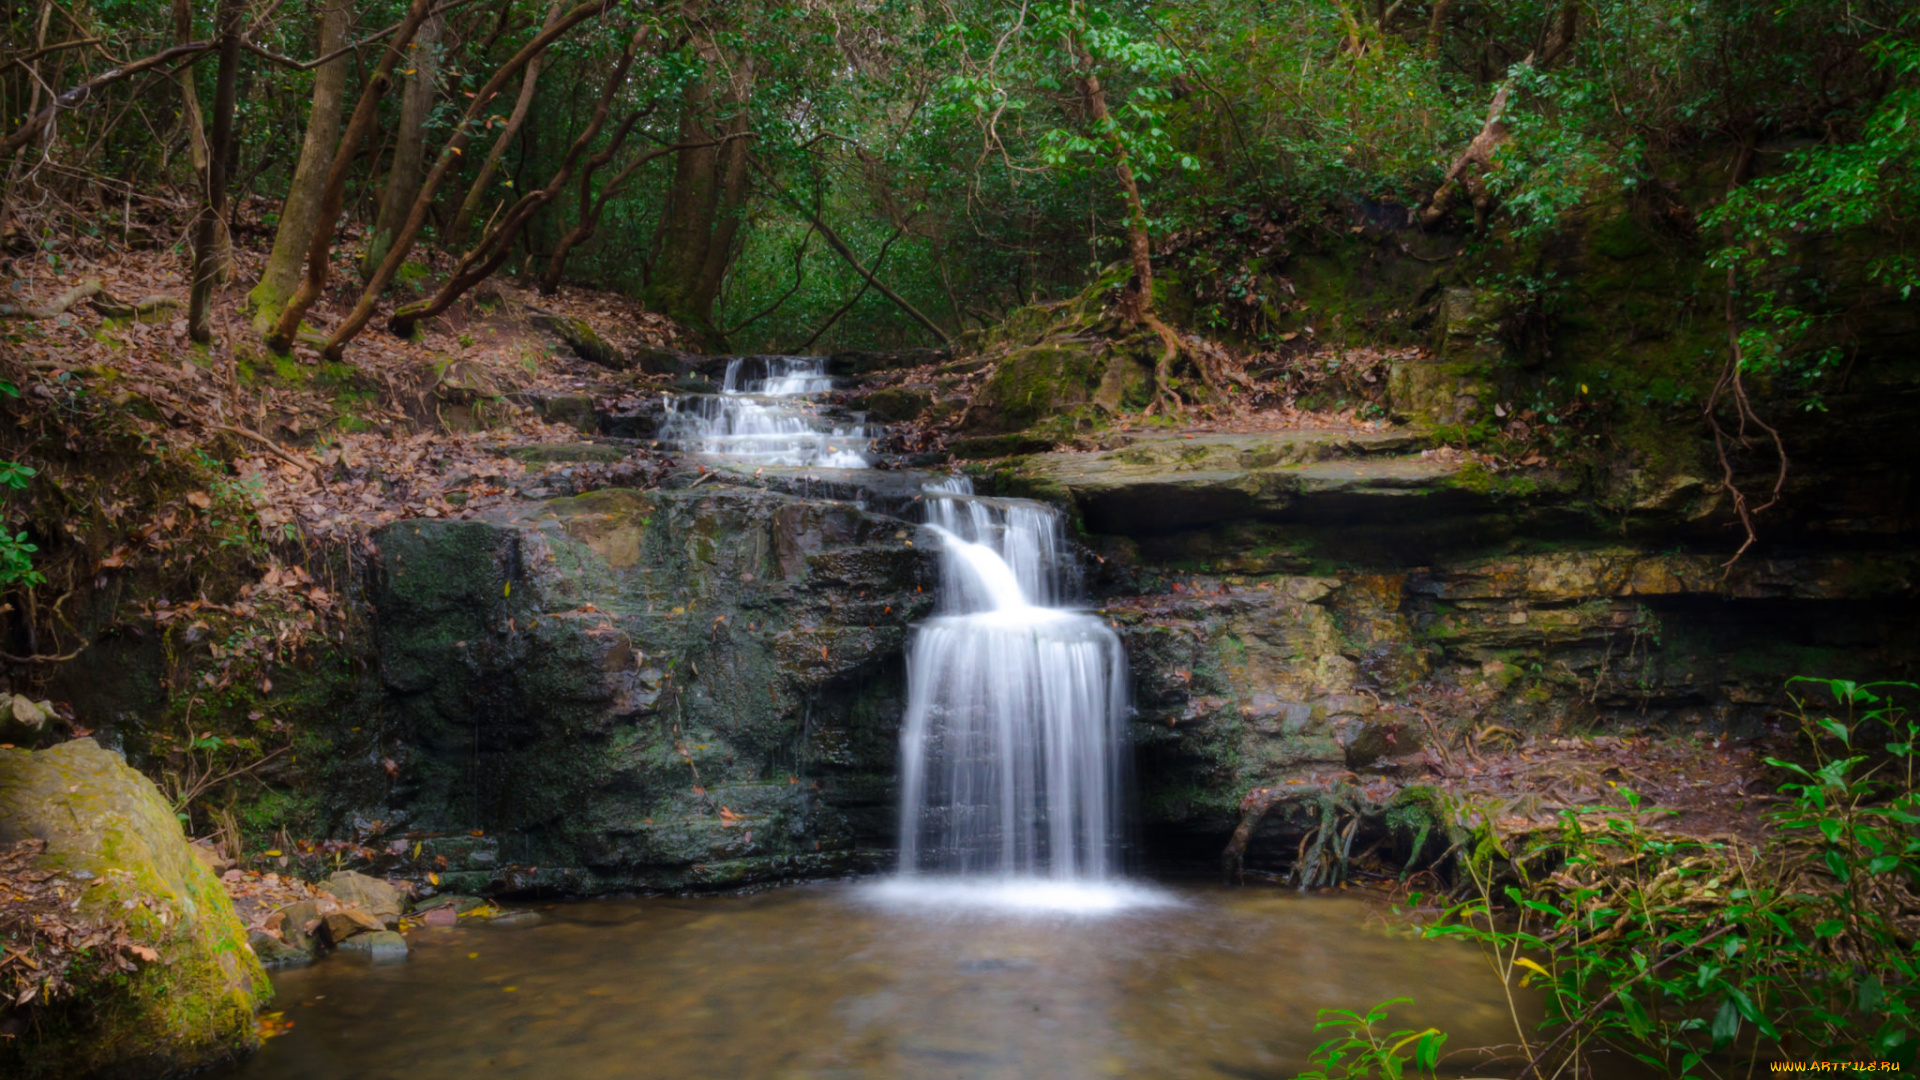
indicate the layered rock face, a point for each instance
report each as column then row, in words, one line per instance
column 658, row 690
column 113, row 839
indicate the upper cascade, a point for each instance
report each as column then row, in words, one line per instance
column 764, row 414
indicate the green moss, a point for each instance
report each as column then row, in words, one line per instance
column 195, row 1004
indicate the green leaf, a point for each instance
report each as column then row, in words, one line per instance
column 1837, row 865
column 1726, row 1025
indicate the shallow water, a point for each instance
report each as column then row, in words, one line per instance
column 859, row 981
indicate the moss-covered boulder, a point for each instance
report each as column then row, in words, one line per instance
column 108, row 831
column 586, row 342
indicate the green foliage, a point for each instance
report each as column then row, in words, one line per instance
column 1698, row 958
column 1361, row 1053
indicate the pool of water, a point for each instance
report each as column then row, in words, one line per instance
column 871, row 981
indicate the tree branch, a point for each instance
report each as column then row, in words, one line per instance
column 74, row 98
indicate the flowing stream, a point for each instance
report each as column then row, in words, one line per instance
column 766, row 413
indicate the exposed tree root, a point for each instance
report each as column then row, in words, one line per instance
column 55, row 308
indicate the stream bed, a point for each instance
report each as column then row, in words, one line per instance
column 871, row 981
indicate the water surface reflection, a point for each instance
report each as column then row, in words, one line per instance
column 834, row 981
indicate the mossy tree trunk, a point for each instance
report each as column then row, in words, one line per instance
column 302, row 207
column 195, row 123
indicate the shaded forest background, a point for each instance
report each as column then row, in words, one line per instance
column 745, row 168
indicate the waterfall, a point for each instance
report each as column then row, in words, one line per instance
column 764, row 414
column 1013, row 744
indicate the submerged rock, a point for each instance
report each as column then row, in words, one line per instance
column 383, row 947
column 107, row 825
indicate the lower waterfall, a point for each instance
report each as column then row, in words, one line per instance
column 1013, row 753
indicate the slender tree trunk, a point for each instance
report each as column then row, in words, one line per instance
column 320, row 248
column 302, row 207
column 550, row 280
column 207, row 232
column 33, row 109
column 197, row 142
column 1138, row 298
column 1436, row 26
column 355, row 321
column 590, row 215
column 410, row 146
column 470, row 206
column 476, row 265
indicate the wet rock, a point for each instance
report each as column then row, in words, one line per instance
column 194, row 1004
column 592, row 680
column 380, row 947
column 573, row 410
column 344, row 924
column 1373, row 740
column 1166, row 484
column 453, row 902
column 661, row 360
column 868, row 361
column 367, row 894
column 23, row 720
column 298, row 924
column 273, row 952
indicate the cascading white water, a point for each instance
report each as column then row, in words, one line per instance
column 769, row 420
column 1013, row 748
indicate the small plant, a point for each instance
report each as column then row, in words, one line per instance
column 1672, row 949
column 1362, row 1053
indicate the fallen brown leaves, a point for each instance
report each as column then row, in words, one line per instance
column 47, row 951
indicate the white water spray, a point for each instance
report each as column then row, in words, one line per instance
column 767, row 418
column 1013, row 748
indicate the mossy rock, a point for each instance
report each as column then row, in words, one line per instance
column 583, row 339
column 108, row 826
column 1033, row 383
column 891, row 406
column 540, row 453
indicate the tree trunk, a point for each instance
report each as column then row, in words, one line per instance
column 476, row 265
column 356, row 320
column 33, row 109
column 197, row 143
column 470, row 206
column 410, row 146
column 302, row 207
column 709, row 186
column 590, row 215
column 320, row 248
column 589, row 210
column 1136, row 300
column 1138, row 296
column 207, row 231
column 1436, row 25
